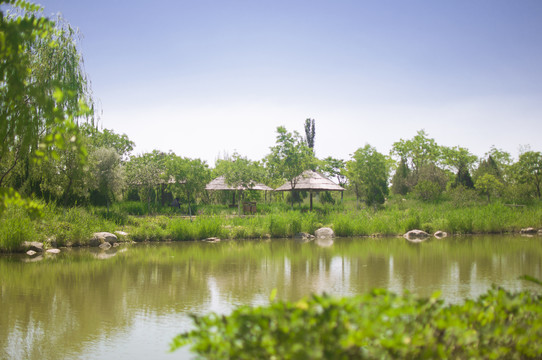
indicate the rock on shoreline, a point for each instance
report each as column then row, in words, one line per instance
column 100, row 238
column 324, row 232
column 529, row 231
column 416, row 235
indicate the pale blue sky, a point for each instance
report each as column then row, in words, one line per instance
column 205, row 77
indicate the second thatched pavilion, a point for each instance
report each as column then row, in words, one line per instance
column 310, row 181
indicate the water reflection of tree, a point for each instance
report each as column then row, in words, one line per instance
column 74, row 299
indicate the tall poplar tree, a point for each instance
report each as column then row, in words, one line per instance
column 310, row 132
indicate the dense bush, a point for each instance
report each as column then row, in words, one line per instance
column 377, row 325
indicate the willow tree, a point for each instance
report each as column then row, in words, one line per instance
column 43, row 90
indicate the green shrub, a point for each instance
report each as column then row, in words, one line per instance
column 459, row 222
column 180, row 229
column 278, row 225
column 74, row 225
column 131, row 207
column 207, row 227
column 150, row 229
column 342, row 225
column 412, row 222
column 295, row 223
column 378, row 325
column 16, row 227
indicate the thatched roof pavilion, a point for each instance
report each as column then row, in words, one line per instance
column 311, row 181
column 220, row 184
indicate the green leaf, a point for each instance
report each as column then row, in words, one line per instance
column 58, row 95
column 273, row 295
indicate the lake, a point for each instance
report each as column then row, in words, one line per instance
column 130, row 301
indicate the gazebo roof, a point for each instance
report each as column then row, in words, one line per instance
column 311, row 180
column 220, row 184
column 171, row 180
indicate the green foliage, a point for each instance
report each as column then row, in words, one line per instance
column 189, row 177
column 461, row 196
column 289, row 157
column 461, row 161
column 8, row 197
column 74, row 225
column 431, row 182
column 16, row 226
column 310, row 133
column 108, row 139
column 131, row 208
column 419, row 151
column 201, row 228
column 152, row 229
column 240, row 173
column 489, row 166
column 427, row 190
column 488, row 185
column 528, row 170
column 326, row 197
column 400, row 179
column 368, row 173
column 377, row 325
column 146, row 173
column 334, row 168
column 106, row 173
column 43, row 90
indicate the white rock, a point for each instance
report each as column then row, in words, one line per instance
column 101, row 237
column 528, row 231
column 416, row 235
column 324, row 232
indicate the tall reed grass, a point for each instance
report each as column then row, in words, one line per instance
column 15, row 228
column 76, row 225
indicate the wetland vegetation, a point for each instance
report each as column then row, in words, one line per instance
column 64, row 177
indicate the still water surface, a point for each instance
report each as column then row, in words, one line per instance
column 129, row 302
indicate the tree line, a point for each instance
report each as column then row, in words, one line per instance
column 52, row 148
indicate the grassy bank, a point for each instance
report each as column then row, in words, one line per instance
column 75, row 225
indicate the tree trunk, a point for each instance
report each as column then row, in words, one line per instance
column 240, row 200
column 149, row 201
column 189, row 207
column 67, row 192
